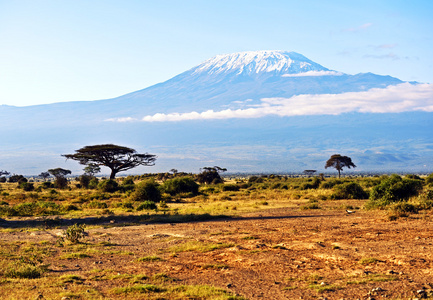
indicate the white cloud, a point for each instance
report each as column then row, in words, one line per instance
column 314, row 73
column 392, row 99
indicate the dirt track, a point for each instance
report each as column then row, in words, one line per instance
column 277, row 254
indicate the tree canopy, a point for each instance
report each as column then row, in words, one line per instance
column 59, row 172
column 338, row 162
column 117, row 158
column 211, row 175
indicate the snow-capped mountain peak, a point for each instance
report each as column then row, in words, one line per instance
column 256, row 62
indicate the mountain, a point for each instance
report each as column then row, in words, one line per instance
column 260, row 111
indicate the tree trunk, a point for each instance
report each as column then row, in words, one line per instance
column 113, row 174
column 338, row 174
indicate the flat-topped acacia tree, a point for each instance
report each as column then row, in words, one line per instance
column 117, row 158
column 339, row 162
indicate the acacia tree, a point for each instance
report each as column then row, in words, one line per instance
column 4, row 173
column 338, row 162
column 91, row 169
column 117, row 158
column 44, row 175
column 211, row 175
column 59, row 173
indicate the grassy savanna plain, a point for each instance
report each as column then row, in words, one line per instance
column 267, row 237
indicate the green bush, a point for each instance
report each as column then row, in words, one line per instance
column 74, row 233
column 329, row 184
column 147, row 205
column 230, row 188
column 93, row 183
column 315, row 183
column 394, row 189
column 47, row 185
column 404, row 207
column 108, row 186
column 61, row 182
column 429, row 180
column 27, row 186
column 180, row 185
column 147, row 190
column 349, row 190
column 17, row 178
column 97, row 204
column 85, row 180
column 33, row 209
column 255, row 179
column 127, row 184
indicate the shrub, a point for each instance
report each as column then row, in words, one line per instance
column 313, row 185
column 349, row 190
column 17, row 178
column 180, row 185
column 108, row 186
column 26, row 268
column 231, row 187
column 147, row 205
column 47, row 185
column 429, row 179
column 426, row 199
column 2, row 179
column 147, row 190
column 35, row 208
column 85, row 180
column 61, row 182
column 394, row 189
column 404, row 207
column 255, row 179
column 210, row 175
column 27, row 186
column 74, row 233
column 329, row 184
column 97, row 204
column 127, row 184
column 93, row 183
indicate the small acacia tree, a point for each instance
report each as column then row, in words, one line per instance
column 339, row 162
column 211, row 175
column 92, row 169
column 117, row 158
column 59, row 173
column 44, row 175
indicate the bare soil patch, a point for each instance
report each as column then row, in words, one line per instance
column 283, row 253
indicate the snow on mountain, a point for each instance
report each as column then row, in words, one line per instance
column 303, row 112
column 255, row 62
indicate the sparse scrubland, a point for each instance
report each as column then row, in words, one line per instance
column 168, row 236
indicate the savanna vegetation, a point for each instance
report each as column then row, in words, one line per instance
column 74, row 205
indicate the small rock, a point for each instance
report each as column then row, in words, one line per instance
column 322, row 283
column 391, row 272
column 66, row 298
column 422, row 294
column 378, row 289
column 229, row 285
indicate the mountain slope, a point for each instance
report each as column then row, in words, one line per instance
column 34, row 137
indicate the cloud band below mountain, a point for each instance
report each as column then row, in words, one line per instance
column 392, row 99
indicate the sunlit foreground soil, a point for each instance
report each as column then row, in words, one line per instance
column 279, row 253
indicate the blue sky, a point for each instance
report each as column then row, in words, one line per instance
column 71, row 50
